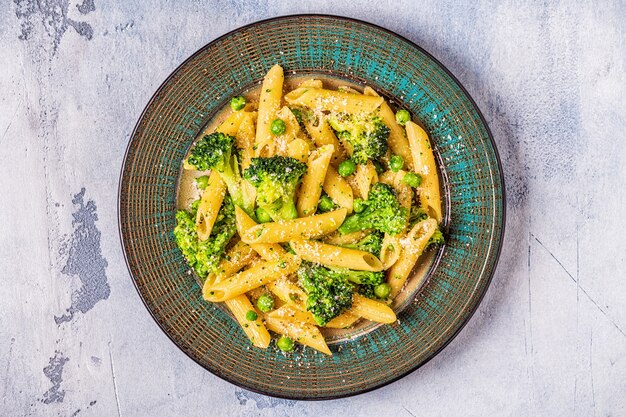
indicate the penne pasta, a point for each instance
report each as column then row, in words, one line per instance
column 412, row 247
column 314, row 83
column 342, row 240
column 236, row 259
column 298, row 149
column 209, row 206
column 292, row 127
column 239, row 256
column 303, row 333
column 290, row 312
column 313, row 180
column 342, row 321
column 364, row 177
column 354, row 185
column 322, row 135
column 289, row 292
column 269, row 104
column 338, row 189
column 230, row 126
column 251, row 278
column 245, row 139
column 390, row 250
column 254, row 329
column 333, row 101
column 336, row 256
column 372, row 310
column 398, row 143
column 424, row 164
column 302, row 228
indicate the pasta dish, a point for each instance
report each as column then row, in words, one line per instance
column 311, row 209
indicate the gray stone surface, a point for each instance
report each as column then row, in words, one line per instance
column 550, row 336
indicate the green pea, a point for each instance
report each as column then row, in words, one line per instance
column 237, row 103
column 403, row 116
column 396, row 163
column 358, row 205
column 380, row 168
column 202, row 182
column 278, row 127
column 412, row 179
column 382, row 291
column 290, row 212
column 285, row 344
column 262, row 216
column 251, row 315
column 346, row 168
column 325, row 204
column 265, row 303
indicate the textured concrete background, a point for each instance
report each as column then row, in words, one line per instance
column 550, row 336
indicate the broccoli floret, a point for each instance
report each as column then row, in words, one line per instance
column 371, row 243
column 436, row 239
column 382, row 212
column 360, row 277
column 365, row 137
column 276, row 179
column 217, row 151
column 204, row 256
column 417, row 215
column 329, row 293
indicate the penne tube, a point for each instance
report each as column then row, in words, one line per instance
column 298, row 149
column 372, row 310
column 322, row 135
column 290, row 312
column 210, row 204
column 245, row 139
column 289, row 292
column 364, row 177
column 336, row 256
column 230, row 126
column 354, row 185
column 314, row 83
column 313, row 180
column 267, row 251
column 403, row 191
column 424, row 164
column 303, row 333
column 303, row 228
column 255, row 330
column 387, row 177
column 390, row 250
column 269, row 104
column 398, row 142
column 238, row 257
column 333, row 101
column 412, row 247
column 251, row 278
column 338, row 189
column 342, row 321
column 347, row 239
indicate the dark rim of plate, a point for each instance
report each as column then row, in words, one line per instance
column 491, row 140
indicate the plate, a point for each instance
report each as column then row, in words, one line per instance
column 359, row 52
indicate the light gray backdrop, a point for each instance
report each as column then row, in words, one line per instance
column 550, row 336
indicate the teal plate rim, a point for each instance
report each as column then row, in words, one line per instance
column 497, row 253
